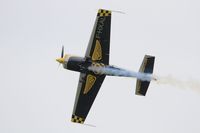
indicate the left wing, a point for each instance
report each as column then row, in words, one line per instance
column 99, row 44
column 88, row 87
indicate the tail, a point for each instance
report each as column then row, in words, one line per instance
column 146, row 67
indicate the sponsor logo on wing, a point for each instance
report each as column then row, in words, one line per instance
column 100, row 27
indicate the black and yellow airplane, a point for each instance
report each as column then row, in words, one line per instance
column 95, row 66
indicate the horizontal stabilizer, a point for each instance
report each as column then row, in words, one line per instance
column 146, row 67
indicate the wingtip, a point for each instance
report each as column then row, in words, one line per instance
column 77, row 119
column 103, row 12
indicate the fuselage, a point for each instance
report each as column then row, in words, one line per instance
column 78, row 64
column 85, row 65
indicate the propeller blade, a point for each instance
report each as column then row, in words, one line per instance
column 62, row 53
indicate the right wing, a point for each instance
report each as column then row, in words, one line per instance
column 99, row 44
column 88, row 87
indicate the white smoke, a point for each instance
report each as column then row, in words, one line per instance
column 176, row 82
column 113, row 71
column 162, row 80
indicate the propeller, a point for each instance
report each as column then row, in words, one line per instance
column 62, row 52
column 61, row 59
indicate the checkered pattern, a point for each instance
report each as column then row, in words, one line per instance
column 77, row 119
column 103, row 12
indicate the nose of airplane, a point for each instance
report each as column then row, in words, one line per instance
column 60, row 60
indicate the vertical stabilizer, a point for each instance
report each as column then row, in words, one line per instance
column 146, row 67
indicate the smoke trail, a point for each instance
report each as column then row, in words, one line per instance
column 114, row 71
column 183, row 84
column 160, row 80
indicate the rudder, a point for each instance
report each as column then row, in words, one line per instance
column 146, row 67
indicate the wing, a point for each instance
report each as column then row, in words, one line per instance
column 99, row 44
column 88, row 87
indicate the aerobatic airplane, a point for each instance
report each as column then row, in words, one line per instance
column 94, row 67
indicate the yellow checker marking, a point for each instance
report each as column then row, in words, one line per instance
column 89, row 83
column 102, row 12
column 97, row 54
column 77, row 119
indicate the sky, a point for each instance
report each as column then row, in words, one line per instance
column 37, row 96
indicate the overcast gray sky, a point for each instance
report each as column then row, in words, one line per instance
column 36, row 96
